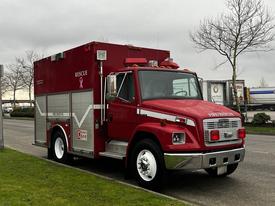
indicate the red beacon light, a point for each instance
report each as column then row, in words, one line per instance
column 135, row 61
column 168, row 63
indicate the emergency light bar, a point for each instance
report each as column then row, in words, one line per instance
column 132, row 61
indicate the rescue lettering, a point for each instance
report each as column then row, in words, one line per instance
column 81, row 73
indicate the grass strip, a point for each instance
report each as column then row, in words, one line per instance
column 260, row 130
column 27, row 180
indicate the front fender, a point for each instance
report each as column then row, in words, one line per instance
column 163, row 134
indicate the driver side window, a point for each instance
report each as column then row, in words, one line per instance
column 125, row 85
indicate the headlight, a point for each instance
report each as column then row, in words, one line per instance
column 178, row 138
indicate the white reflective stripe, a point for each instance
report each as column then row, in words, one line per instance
column 58, row 114
column 39, row 110
column 158, row 115
column 98, row 106
column 190, row 122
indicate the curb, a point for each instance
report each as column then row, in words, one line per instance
column 106, row 178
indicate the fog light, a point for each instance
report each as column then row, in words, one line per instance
column 178, row 138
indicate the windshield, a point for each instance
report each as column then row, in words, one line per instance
column 168, row 85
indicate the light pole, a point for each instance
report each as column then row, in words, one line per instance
column 1, row 113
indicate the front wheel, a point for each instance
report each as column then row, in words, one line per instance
column 214, row 171
column 59, row 147
column 147, row 164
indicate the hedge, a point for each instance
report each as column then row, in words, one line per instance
column 23, row 112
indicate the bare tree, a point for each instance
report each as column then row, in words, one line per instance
column 14, row 80
column 26, row 66
column 247, row 27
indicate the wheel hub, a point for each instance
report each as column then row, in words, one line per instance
column 146, row 165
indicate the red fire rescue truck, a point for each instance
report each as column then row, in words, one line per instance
column 134, row 104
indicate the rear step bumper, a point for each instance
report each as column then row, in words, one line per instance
column 175, row 161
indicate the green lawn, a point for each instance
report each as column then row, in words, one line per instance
column 260, row 130
column 26, row 180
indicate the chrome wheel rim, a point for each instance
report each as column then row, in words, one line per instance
column 59, row 148
column 146, row 165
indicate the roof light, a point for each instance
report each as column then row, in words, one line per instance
column 169, row 64
column 139, row 61
column 58, row 56
column 153, row 63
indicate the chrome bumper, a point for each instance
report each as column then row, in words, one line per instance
column 175, row 161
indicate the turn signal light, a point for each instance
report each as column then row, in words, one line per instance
column 215, row 135
column 242, row 133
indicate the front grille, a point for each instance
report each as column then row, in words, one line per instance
column 225, row 126
column 221, row 123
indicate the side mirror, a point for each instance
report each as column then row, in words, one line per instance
column 111, row 87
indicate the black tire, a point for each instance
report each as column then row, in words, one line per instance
column 56, row 153
column 214, row 171
column 50, row 153
column 147, row 147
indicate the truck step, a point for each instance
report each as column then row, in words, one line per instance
column 115, row 146
column 112, row 155
column 115, row 149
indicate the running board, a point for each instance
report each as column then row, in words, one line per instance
column 112, row 155
column 115, row 149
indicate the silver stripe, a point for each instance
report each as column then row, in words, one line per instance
column 158, row 115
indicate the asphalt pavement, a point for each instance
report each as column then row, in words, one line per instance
column 253, row 183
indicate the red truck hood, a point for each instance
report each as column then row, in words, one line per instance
column 195, row 109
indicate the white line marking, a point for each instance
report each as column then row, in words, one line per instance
column 259, row 152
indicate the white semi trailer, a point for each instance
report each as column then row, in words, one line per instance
column 261, row 98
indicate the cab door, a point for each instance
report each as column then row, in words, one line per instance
column 121, row 113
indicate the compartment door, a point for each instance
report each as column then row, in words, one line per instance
column 83, row 122
column 40, row 120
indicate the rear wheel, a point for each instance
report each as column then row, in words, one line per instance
column 59, row 147
column 214, row 171
column 147, row 164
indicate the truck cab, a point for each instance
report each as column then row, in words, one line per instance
column 161, row 116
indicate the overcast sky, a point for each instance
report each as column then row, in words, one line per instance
column 51, row 26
